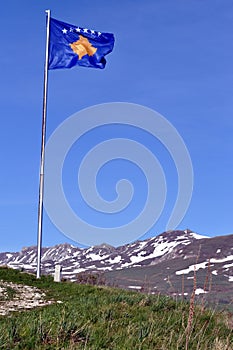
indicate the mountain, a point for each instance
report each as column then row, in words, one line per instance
column 162, row 264
column 102, row 257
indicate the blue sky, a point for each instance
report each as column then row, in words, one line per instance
column 173, row 56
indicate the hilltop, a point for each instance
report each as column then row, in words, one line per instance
column 93, row 318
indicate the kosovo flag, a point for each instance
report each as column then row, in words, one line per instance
column 70, row 46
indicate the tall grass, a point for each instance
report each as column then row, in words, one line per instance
column 95, row 318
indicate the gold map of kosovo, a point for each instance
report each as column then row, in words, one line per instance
column 83, row 47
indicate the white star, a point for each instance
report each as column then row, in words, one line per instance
column 92, row 32
column 64, row 31
column 85, row 30
column 71, row 29
column 78, row 30
column 99, row 33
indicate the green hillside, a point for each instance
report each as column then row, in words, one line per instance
column 94, row 318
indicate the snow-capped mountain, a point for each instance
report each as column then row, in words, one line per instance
column 104, row 257
column 162, row 264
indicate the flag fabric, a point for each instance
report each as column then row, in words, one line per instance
column 70, row 46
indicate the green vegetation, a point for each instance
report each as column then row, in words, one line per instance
column 95, row 318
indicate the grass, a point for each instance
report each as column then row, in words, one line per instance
column 95, row 318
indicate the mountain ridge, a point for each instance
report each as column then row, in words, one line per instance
column 104, row 256
column 159, row 262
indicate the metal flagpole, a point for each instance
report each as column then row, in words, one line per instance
column 41, row 186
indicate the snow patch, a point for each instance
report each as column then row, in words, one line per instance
column 197, row 236
column 181, row 294
column 135, row 287
column 200, row 291
column 228, row 265
column 74, row 271
column 228, row 258
column 141, row 245
column 203, row 265
column 192, row 267
column 161, row 249
column 116, row 260
column 93, row 256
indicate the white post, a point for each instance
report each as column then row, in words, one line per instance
column 41, row 186
column 57, row 274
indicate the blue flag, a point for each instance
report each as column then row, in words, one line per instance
column 70, row 46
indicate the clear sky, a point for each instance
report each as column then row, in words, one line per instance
column 173, row 56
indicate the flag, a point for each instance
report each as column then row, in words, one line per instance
column 70, row 46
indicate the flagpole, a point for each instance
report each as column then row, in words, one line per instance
column 42, row 160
